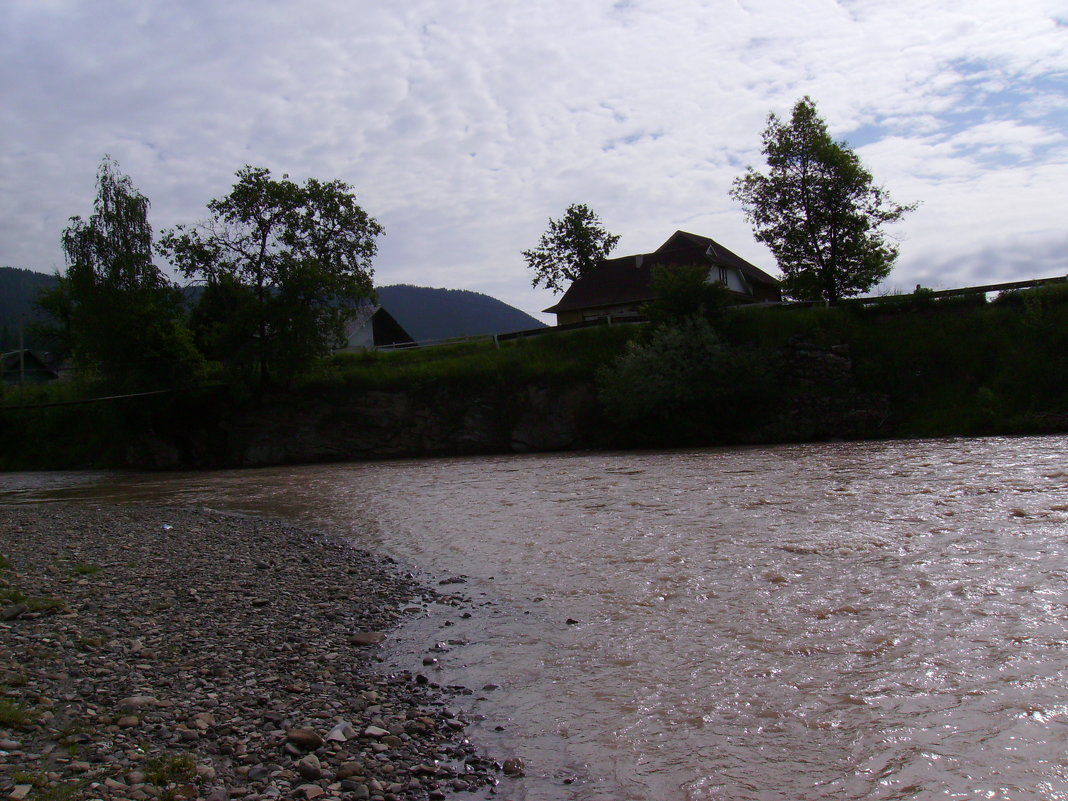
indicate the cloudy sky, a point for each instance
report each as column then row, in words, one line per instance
column 463, row 125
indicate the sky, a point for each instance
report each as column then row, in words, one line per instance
column 463, row 126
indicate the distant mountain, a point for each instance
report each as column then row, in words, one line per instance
column 444, row 313
column 18, row 289
column 423, row 312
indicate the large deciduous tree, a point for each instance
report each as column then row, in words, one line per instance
column 123, row 317
column 284, row 265
column 570, row 248
column 818, row 209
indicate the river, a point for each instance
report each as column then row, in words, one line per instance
column 834, row 621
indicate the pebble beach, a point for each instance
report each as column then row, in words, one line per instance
column 168, row 653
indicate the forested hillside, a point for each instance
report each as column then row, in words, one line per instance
column 424, row 313
column 18, row 288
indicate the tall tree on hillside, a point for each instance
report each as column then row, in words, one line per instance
column 818, row 209
column 571, row 247
column 283, row 264
column 123, row 317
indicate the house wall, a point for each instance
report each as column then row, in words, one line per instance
column 359, row 336
column 585, row 315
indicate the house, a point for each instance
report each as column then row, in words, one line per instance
column 618, row 288
column 373, row 327
column 25, row 367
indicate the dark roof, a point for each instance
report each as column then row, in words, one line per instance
column 716, row 253
column 629, row 279
column 625, row 280
column 14, row 362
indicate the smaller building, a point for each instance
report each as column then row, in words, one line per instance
column 373, row 327
column 619, row 288
column 25, row 367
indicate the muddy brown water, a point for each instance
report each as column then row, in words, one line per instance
column 833, row 621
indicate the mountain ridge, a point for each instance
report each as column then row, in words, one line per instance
column 426, row 313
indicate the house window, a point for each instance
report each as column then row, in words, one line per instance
column 723, row 276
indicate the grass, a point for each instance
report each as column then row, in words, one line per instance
column 85, row 570
column 33, row 603
column 554, row 358
column 14, row 715
column 170, row 769
column 46, row 790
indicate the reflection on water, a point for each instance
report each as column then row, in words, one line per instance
column 869, row 621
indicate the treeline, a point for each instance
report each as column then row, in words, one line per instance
column 280, row 267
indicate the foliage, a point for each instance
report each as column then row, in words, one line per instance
column 284, row 266
column 818, row 210
column 571, row 247
column 115, row 307
column 682, row 385
column 684, row 291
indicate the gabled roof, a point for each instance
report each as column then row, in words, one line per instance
column 629, row 279
column 716, row 253
column 615, row 281
column 26, row 361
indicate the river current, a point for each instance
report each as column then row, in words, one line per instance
column 835, row 621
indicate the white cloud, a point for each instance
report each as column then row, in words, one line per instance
column 463, row 126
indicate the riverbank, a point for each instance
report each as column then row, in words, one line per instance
column 162, row 653
column 913, row 367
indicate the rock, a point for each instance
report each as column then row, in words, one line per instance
column 349, row 769
column 135, row 703
column 341, row 732
column 259, row 773
column 306, row 739
column 514, row 767
column 309, row 768
column 20, row 791
column 172, row 618
column 366, row 638
column 13, row 612
column 202, row 721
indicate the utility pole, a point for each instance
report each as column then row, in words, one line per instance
column 22, row 352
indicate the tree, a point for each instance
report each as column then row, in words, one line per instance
column 284, row 266
column 571, row 247
column 683, row 291
column 123, row 318
column 818, row 210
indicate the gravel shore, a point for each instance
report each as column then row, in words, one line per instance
column 161, row 653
